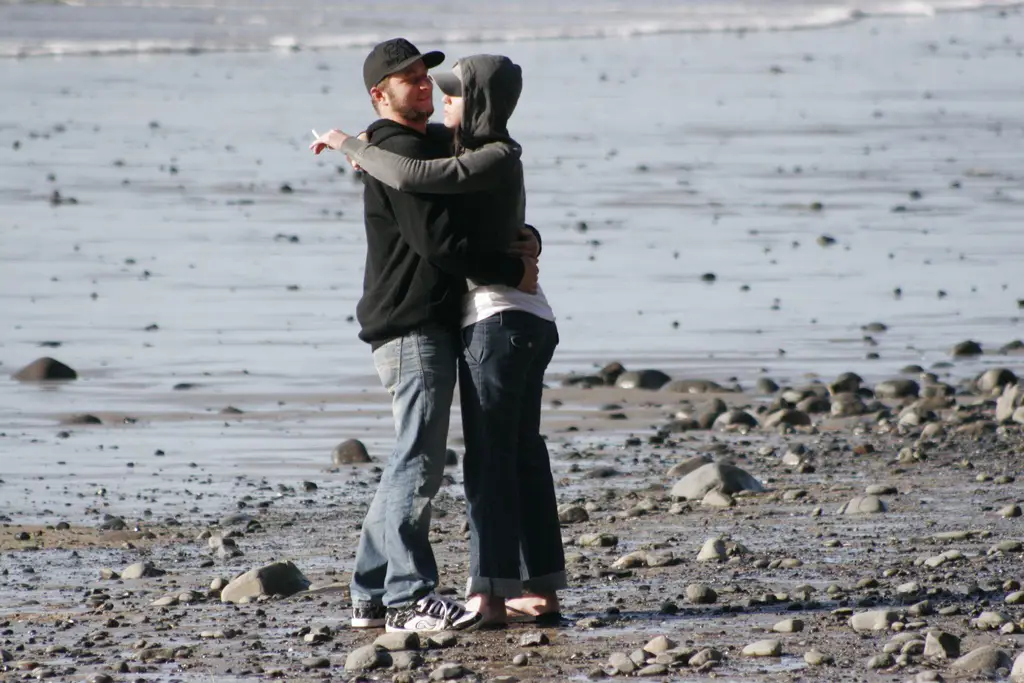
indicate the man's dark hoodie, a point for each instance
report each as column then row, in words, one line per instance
column 418, row 255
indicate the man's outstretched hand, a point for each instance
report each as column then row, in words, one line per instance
column 530, row 274
column 332, row 139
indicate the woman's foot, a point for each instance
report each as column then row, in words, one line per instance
column 531, row 606
column 490, row 607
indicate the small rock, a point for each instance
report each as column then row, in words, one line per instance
column 597, row 540
column 713, row 550
column 166, row 601
column 448, row 671
column 393, row 642
column 572, row 514
column 897, row 388
column 723, row 477
column 351, row 452
column 815, row 658
column 863, row 505
column 789, row 626
column 763, row 648
column 316, row 663
column 716, row 499
column 621, row 663
column 642, row 379
column 875, row 620
column 44, row 370
column 141, row 570
column 989, row 621
column 701, row 594
column 882, row 661
column 659, row 644
column 983, row 660
column 279, row 578
column 941, row 645
column 365, row 658
column 966, row 349
column 533, row 639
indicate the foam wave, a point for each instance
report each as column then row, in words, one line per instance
column 706, row 22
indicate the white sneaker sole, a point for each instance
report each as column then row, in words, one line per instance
column 367, row 623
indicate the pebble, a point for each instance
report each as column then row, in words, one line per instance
column 763, row 648
column 520, row 660
column 989, row 621
column 621, row 663
column 406, row 660
column 704, row 657
column 316, row 663
column 882, row 661
column 597, row 540
column 534, row 639
column 278, row 578
column 701, row 594
column 165, row 601
column 983, row 660
column 816, row 658
column 1015, row 598
column 721, row 476
column 365, row 658
column 789, row 626
column 717, row 499
column 141, row 570
column 443, row 639
column 875, row 620
column 448, row 671
column 572, row 514
column 351, row 452
column 863, row 505
column 394, row 642
column 713, row 550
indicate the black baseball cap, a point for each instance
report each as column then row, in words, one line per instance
column 392, row 56
column 450, row 83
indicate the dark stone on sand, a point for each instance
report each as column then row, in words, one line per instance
column 451, row 458
column 44, row 370
column 708, row 277
column 815, row 404
column 874, row 327
column 83, row 420
column 793, row 418
column 231, row 410
column 735, row 418
column 764, row 385
column 22, row 536
column 184, row 386
column 351, row 452
column 993, row 380
column 585, row 381
column 683, row 425
column 642, row 379
column 610, row 373
column 897, row 388
column 848, row 382
column 826, row 240
column 112, row 523
column 1016, row 346
column 966, row 349
column 694, row 386
column 911, row 370
column 601, row 473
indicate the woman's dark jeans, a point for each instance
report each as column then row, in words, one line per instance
column 515, row 540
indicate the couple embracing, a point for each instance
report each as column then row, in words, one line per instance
column 451, row 282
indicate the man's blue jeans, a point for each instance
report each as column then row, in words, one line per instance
column 394, row 562
column 515, row 539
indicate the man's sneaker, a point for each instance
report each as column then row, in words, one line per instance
column 432, row 614
column 368, row 615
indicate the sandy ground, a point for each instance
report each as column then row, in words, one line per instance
column 803, row 559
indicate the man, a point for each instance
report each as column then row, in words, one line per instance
column 417, row 264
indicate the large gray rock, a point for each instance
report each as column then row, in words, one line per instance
column 862, row 505
column 1007, row 404
column 642, row 379
column 793, row 418
column 683, row 468
column 735, row 418
column 279, row 578
column 724, row 477
column 983, row 660
column 897, row 388
column 992, row 381
column 694, row 386
column 350, row 452
column 875, row 620
column 45, row 370
column 366, row 658
column 941, row 645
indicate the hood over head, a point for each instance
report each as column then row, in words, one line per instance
column 491, row 85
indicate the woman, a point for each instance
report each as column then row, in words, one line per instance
column 517, row 563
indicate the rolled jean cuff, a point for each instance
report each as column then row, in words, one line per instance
column 504, row 588
column 548, row 583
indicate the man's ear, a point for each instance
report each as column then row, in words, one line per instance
column 378, row 97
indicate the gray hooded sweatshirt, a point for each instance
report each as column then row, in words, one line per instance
column 489, row 167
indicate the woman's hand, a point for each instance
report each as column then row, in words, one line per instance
column 526, row 244
column 332, row 139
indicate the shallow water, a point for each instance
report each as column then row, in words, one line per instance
column 709, row 162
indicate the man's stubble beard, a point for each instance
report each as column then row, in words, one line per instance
column 412, row 114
